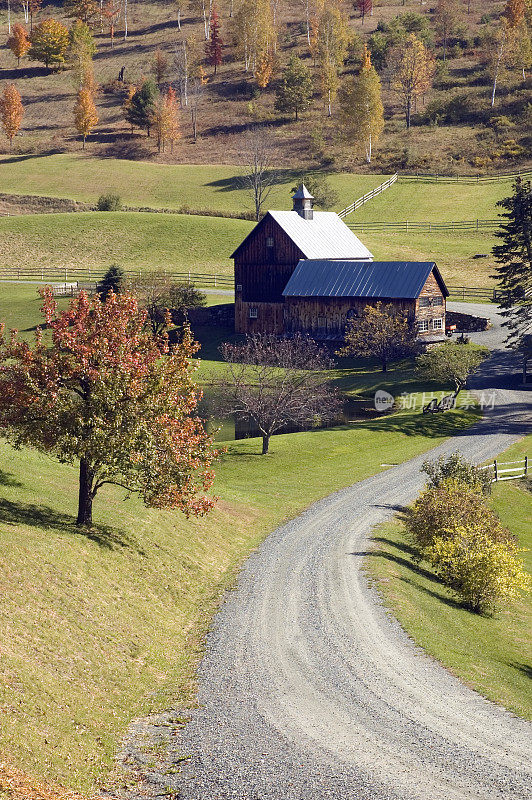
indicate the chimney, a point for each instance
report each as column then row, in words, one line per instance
column 302, row 200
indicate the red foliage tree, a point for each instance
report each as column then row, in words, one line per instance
column 107, row 394
column 365, row 7
column 213, row 48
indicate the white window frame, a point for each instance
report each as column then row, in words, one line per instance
column 253, row 312
column 437, row 324
column 438, row 300
column 270, row 241
column 422, row 325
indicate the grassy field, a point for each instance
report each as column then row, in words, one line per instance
column 491, row 654
column 199, row 186
column 139, row 241
column 99, row 628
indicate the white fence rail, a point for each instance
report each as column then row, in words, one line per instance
column 513, row 469
column 369, row 196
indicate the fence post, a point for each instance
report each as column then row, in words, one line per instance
column 477, row 224
column 406, row 225
column 215, row 281
column 526, row 466
column 495, row 470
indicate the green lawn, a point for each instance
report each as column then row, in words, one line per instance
column 97, row 629
column 139, row 241
column 201, row 186
column 434, row 202
column 491, row 654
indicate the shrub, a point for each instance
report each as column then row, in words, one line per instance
column 481, row 571
column 441, row 510
column 458, row 468
column 109, row 202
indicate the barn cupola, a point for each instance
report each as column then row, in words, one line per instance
column 302, row 200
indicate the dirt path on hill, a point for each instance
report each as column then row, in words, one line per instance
column 309, row 689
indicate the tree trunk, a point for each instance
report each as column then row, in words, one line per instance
column 265, row 444
column 9, row 17
column 384, row 364
column 179, row 19
column 86, row 478
column 408, row 112
column 125, row 20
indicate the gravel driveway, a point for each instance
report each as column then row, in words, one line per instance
column 309, row 689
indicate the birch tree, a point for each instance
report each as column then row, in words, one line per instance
column 362, row 111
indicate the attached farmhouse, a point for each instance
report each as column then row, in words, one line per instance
column 306, row 271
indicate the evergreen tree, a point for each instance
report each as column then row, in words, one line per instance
column 112, row 281
column 361, row 108
column 141, row 107
column 294, row 92
column 514, row 257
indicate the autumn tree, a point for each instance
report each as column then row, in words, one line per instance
column 85, row 10
column 274, row 382
column 49, row 42
column 412, row 67
column 446, row 16
column 180, row 6
column 520, row 48
column 264, row 69
column 331, row 42
column 110, row 13
column 139, row 112
column 106, row 394
column 213, row 48
column 514, row 261
column 254, row 31
column 364, row 7
column 80, row 53
column 85, row 114
column 514, row 11
column 362, row 112
column 19, row 42
column 165, row 120
column 380, row 332
column 294, row 92
column 204, row 9
column 12, row 112
column 160, row 66
column 451, row 363
column 187, row 62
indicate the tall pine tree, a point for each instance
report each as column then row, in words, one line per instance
column 514, row 257
column 294, row 92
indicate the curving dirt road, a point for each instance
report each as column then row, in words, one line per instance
column 309, row 689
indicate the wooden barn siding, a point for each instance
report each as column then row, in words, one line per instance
column 269, row 318
column 301, row 314
column 263, row 272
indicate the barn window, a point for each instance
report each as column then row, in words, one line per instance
column 269, row 241
column 239, row 287
column 424, row 302
column 423, row 325
column 437, row 301
column 437, row 324
column 322, row 322
column 253, row 312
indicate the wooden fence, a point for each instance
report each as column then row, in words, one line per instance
column 474, row 293
column 437, row 178
column 518, row 469
column 369, row 196
column 426, row 227
column 70, row 275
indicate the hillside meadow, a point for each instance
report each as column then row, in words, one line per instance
column 491, row 654
column 99, row 627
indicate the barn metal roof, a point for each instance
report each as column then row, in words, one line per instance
column 379, row 279
column 323, row 236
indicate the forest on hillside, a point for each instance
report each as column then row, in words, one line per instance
column 428, row 86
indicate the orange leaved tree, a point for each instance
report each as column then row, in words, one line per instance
column 104, row 393
column 18, row 42
column 12, row 111
column 85, row 114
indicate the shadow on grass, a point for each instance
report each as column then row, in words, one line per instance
column 48, row 519
column 6, row 479
column 526, row 669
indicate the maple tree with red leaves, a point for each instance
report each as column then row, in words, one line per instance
column 107, row 394
column 365, row 7
column 213, row 48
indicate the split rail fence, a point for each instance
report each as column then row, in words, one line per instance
column 369, row 196
column 86, row 275
column 500, row 474
column 425, row 227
